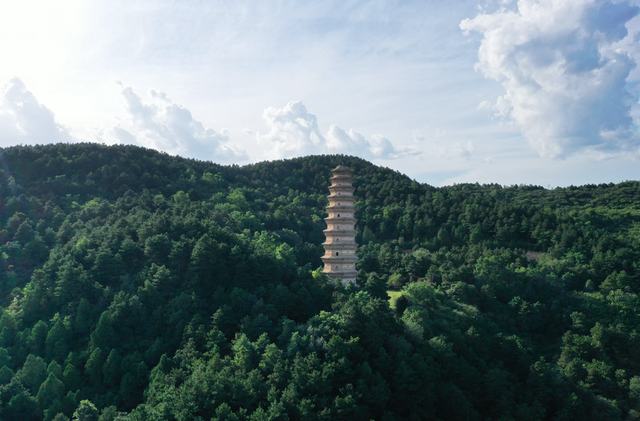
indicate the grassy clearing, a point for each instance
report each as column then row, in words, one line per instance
column 392, row 295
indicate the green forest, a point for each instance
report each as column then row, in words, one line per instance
column 135, row 285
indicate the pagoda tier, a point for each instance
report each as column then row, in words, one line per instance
column 340, row 245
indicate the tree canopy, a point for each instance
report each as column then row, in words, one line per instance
column 136, row 285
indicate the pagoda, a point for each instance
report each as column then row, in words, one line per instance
column 340, row 245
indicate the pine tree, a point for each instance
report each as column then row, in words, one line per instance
column 103, row 335
column 50, row 390
column 86, row 411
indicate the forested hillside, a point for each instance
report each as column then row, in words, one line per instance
column 139, row 286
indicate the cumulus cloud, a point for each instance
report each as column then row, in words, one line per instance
column 294, row 131
column 164, row 125
column 564, row 81
column 350, row 143
column 24, row 120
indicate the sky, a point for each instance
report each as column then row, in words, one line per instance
column 541, row 92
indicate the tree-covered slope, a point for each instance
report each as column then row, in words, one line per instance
column 136, row 285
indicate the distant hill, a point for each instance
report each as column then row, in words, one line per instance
column 135, row 285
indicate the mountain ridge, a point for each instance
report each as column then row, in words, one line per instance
column 135, row 285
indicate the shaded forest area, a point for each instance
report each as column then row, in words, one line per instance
column 135, row 286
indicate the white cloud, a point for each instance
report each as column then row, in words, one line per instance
column 457, row 150
column 564, row 82
column 350, row 143
column 454, row 151
column 418, row 136
column 24, row 120
column 294, row 131
column 441, row 146
column 164, row 125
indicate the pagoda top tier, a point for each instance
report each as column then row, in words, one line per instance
column 342, row 168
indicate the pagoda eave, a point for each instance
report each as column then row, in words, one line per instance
column 340, row 245
column 339, row 260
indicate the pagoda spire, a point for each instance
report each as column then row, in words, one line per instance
column 340, row 245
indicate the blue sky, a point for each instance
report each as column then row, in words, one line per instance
column 538, row 92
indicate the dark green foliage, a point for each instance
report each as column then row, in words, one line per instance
column 6, row 374
column 135, row 285
column 376, row 286
column 32, row 373
column 86, row 412
column 52, row 389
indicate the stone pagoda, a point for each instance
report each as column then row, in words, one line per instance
column 340, row 248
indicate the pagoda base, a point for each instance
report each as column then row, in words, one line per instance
column 344, row 277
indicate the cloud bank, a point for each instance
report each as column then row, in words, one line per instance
column 564, row 81
column 161, row 124
column 294, row 131
column 23, row 120
column 164, row 125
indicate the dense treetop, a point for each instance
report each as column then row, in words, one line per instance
column 135, row 285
